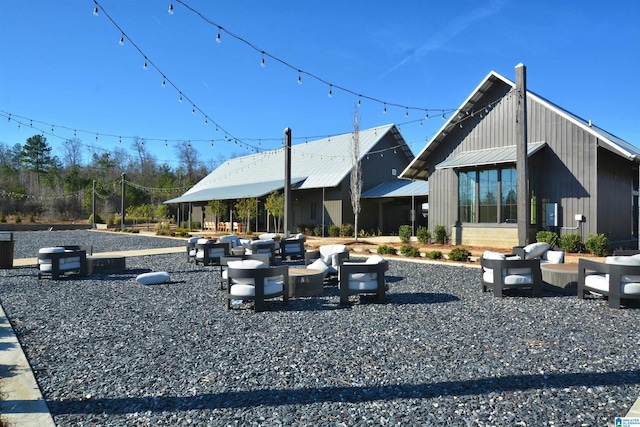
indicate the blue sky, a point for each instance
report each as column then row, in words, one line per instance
column 63, row 67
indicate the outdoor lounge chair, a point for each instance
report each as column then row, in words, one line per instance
column 209, row 252
column 501, row 272
column 253, row 280
column 363, row 277
column 617, row 278
column 60, row 260
column 541, row 251
column 329, row 255
column 293, row 247
column 191, row 248
column 268, row 247
column 224, row 264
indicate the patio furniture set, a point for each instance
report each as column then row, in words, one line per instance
column 248, row 269
column 617, row 279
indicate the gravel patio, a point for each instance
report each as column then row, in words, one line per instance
column 107, row 351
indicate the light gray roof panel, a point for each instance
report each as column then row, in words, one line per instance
column 257, row 189
column 489, row 156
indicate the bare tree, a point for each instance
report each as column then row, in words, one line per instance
column 356, row 171
column 72, row 153
column 189, row 159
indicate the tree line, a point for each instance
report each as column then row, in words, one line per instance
column 38, row 182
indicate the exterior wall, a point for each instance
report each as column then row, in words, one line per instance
column 499, row 236
column 571, row 171
column 615, row 216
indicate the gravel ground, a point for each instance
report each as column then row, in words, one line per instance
column 108, row 351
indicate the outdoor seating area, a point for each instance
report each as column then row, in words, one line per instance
column 315, row 354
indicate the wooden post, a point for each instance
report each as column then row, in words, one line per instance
column 287, row 182
column 522, row 159
column 123, row 202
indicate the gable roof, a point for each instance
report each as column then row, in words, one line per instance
column 323, row 163
column 398, row 188
column 417, row 168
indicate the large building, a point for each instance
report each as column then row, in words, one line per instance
column 320, row 183
column 581, row 179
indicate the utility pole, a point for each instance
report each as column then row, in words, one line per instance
column 522, row 157
column 93, row 199
column 287, row 181
column 122, row 220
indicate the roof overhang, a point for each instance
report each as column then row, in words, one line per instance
column 397, row 188
column 256, row 189
column 489, row 156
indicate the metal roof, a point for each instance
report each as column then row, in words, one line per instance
column 257, row 189
column 323, row 163
column 398, row 188
column 417, row 168
column 489, row 156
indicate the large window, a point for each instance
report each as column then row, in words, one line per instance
column 467, row 196
column 509, row 189
column 488, row 196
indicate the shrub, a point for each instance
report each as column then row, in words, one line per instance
column 32, row 218
column 597, row 244
column 386, row 250
column 571, row 242
column 405, row 233
column 98, row 219
column 424, row 235
column 300, row 228
column 433, row 255
column 548, row 237
column 318, row 230
column 18, row 219
column 409, row 250
column 440, row 233
column 459, row 254
column 3, row 218
column 347, row 230
column 334, row 230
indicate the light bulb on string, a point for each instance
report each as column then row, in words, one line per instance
column 206, row 122
column 95, row 11
column 444, row 117
column 170, row 11
column 426, row 115
column 164, row 83
column 121, row 40
column 193, row 110
column 359, row 100
column 385, row 109
column 144, row 66
column 180, row 98
column 262, row 60
column 406, row 114
column 218, row 36
column 330, row 91
column 299, row 78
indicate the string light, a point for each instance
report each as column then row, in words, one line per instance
column 218, row 36
column 121, row 39
column 385, row 109
column 144, row 66
column 262, row 60
column 170, row 11
column 163, row 83
column 299, row 78
column 95, row 11
column 330, row 91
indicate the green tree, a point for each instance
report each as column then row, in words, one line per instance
column 217, row 209
column 35, row 155
column 274, row 204
column 246, row 209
